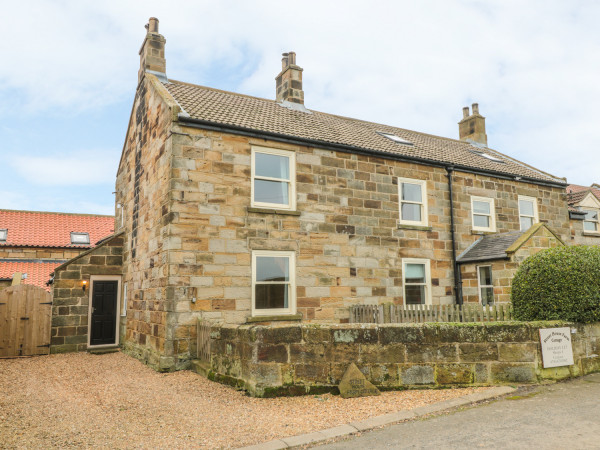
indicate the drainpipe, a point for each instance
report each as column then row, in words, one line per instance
column 455, row 265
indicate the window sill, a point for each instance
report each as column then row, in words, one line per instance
column 591, row 233
column 282, row 318
column 482, row 233
column 402, row 226
column 285, row 212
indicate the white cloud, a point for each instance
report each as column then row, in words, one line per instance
column 532, row 66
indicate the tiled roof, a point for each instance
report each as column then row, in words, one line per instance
column 46, row 229
column 262, row 115
column 490, row 247
column 576, row 193
column 38, row 272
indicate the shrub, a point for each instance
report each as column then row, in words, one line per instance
column 560, row 283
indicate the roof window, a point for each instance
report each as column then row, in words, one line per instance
column 395, row 138
column 3, row 235
column 80, row 238
column 488, row 156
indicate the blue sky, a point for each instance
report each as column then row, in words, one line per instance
column 69, row 71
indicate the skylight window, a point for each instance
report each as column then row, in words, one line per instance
column 80, row 238
column 395, row 138
column 3, row 235
column 487, row 155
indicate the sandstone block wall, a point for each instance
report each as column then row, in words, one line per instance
column 144, row 181
column 580, row 237
column 70, row 304
column 310, row 358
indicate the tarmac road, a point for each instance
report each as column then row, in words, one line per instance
column 559, row 416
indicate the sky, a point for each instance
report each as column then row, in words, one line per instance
column 68, row 73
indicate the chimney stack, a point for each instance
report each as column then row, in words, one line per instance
column 152, row 53
column 289, row 80
column 472, row 127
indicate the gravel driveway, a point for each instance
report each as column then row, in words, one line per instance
column 113, row 400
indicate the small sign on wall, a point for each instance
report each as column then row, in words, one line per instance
column 557, row 348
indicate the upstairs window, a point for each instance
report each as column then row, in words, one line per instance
column 417, row 281
column 486, row 287
column 483, row 214
column 590, row 222
column 528, row 214
column 413, row 201
column 80, row 238
column 3, row 234
column 273, row 178
column 273, row 283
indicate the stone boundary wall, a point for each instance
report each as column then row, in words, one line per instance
column 308, row 358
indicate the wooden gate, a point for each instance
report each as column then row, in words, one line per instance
column 25, row 320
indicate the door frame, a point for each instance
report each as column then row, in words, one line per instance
column 93, row 278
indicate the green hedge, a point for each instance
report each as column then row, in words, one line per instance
column 560, row 283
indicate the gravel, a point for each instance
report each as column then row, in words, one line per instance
column 113, row 400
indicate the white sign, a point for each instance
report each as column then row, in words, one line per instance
column 557, row 349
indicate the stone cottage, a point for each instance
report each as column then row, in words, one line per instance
column 241, row 210
column 584, row 211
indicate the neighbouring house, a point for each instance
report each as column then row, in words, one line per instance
column 584, row 210
column 33, row 244
column 247, row 210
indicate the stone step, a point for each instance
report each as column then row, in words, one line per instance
column 200, row 367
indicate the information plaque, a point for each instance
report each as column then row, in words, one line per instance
column 557, row 349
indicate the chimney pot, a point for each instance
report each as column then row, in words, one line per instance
column 465, row 112
column 153, row 25
column 475, row 108
column 292, row 58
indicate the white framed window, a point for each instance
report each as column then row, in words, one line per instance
column 124, row 302
column 3, row 234
column 486, row 286
column 273, row 178
column 273, row 283
column 412, row 195
column 528, row 212
column 416, row 281
column 483, row 214
column 590, row 222
column 80, row 238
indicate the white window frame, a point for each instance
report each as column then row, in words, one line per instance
column 424, row 215
column 291, row 309
column 291, row 182
column 492, row 226
column 80, row 233
column 124, row 302
column 3, row 234
column 427, row 284
column 535, row 210
column 597, row 222
column 480, row 286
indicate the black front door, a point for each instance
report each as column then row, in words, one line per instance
column 104, row 312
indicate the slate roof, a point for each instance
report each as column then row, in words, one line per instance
column 576, row 193
column 47, row 229
column 490, row 247
column 263, row 115
column 38, row 271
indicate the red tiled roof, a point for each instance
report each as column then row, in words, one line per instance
column 47, row 229
column 38, row 273
column 576, row 193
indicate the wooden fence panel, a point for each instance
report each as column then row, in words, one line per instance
column 203, row 341
column 390, row 313
column 25, row 321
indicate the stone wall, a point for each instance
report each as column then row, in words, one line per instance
column 308, row 358
column 580, row 237
column 70, row 304
column 39, row 253
column 142, row 187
